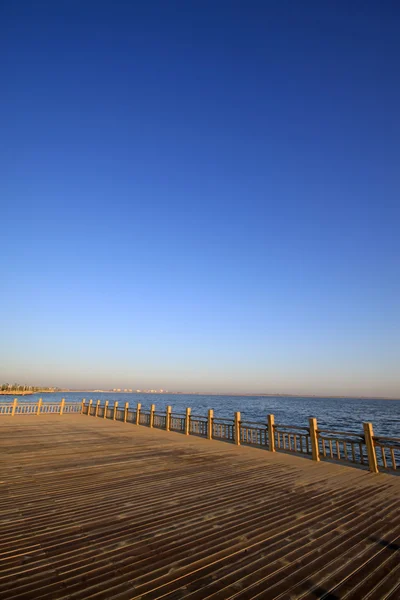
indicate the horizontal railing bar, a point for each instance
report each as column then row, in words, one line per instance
column 352, row 440
column 394, row 445
column 48, row 405
column 385, row 437
column 336, row 432
column 291, row 427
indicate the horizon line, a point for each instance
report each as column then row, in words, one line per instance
column 247, row 394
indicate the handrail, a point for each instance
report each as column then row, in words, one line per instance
column 389, row 451
column 337, row 432
column 386, row 437
column 250, row 425
column 281, row 426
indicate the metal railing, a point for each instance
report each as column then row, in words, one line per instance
column 39, row 407
column 318, row 444
column 389, row 452
column 177, row 422
column 292, row 439
column 198, row 425
column 223, row 429
column 254, row 433
column 378, row 453
column 159, row 420
column 342, row 446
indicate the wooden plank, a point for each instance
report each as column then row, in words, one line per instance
column 100, row 508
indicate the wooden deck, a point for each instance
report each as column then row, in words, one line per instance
column 101, row 509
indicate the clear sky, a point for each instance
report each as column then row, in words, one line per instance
column 201, row 195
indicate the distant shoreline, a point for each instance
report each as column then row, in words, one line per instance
column 322, row 396
column 29, row 393
column 18, row 393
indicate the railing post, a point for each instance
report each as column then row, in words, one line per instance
column 115, row 410
column 369, row 442
column 105, row 409
column 138, row 407
column 89, row 407
column 271, row 433
column 210, row 423
column 237, row 428
column 39, row 406
column 14, row 407
column 83, row 406
column 97, row 408
column 314, row 438
column 126, row 412
column 168, row 418
column 62, row 406
column 152, row 409
column 187, row 421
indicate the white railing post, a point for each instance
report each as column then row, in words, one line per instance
column 271, row 433
column 14, row 407
column 210, row 419
column 314, row 438
column 237, row 428
column 168, row 418
column 187, row 421
column 126, row 412
column 138, row 408
column 371, row 452
column 152, row 409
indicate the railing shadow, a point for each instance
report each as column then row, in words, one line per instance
column 391, row 545
column 320, row 592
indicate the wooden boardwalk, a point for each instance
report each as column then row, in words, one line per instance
column 101, row 509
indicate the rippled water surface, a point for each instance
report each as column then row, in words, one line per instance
column 332, row 413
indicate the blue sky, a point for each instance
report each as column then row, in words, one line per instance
column 201, row 196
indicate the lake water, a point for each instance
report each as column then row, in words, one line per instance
column 345, row 414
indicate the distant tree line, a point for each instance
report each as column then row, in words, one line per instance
column 16, row 387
